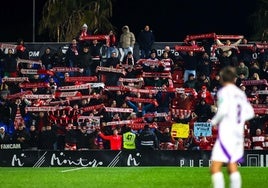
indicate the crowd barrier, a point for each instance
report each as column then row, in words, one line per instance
column 110, row 158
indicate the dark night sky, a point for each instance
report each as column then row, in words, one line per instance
column 171, row 20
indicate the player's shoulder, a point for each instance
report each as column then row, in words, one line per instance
column 229, row 89
column 235, row 91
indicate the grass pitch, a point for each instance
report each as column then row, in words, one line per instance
column 121, row 177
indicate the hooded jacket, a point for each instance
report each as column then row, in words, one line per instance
column 127, row 38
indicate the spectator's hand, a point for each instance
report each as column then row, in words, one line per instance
column 154, row 125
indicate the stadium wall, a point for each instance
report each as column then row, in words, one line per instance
column 109, row 158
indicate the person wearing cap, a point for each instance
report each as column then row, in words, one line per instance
column 83, row 34
column 204, row 94
column 5, row 138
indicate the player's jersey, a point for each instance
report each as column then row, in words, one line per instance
column 233, row 110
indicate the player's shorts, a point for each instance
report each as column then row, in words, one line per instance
column 228, row 151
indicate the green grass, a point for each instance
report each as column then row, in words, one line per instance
column 129, row 177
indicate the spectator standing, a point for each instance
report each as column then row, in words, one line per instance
column 115, row 139
column 95, row 47
column 264, row 70
column 85, row 60
column 228, row 46
column 112, row 43
column 21, row 136
column 164, row 99
column 42, row 120
column 34, row 137
column 111, row 78
column 204, row 65
column 58, row 59
column 183, row 101
column 190, row 64
column 47, row 58
column 5, row 113
column 224, row 59
column 147, row 139
column 72, row 54
column 47, row 138
column 86, row 140
column 71, row 137
column 245, row 54
column 82, row 34
column 166, row 141
column 233, row 110
column 129, row 139
column 22, row 51
column 5, row 138
column 127, row 40
column 10, row 64
column 146, row 40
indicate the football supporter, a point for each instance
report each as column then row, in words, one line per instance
column 115, row 139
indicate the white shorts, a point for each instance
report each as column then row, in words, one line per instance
column 228, row 151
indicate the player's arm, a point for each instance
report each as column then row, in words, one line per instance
column 104, row 136
column 248, row 110
column 222, row 110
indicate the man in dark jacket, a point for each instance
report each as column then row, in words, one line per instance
column 5, row 138
column 146, row 39
column 85, row 60
column 147, row 139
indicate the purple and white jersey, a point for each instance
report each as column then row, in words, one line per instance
column 233, row 110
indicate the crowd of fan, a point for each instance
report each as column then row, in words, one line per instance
column 79, row 101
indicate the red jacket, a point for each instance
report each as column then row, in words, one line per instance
column 115, row 141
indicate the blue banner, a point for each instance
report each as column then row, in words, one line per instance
column 202, row 129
